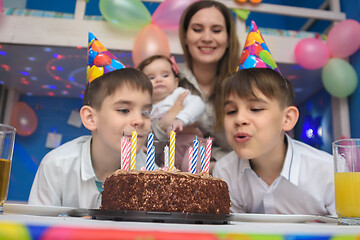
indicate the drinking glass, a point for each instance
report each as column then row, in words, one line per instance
column 347, row 181
column 7, row 139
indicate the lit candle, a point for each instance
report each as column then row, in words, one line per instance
column 207, row 154
column 166, row 156
column 190, row 151
column 172, row 151
column 202, row 158
column 133, row 150
column 150, row 160
column 195, row 155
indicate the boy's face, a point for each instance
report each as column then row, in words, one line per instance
column 122, row 112
column 254, row 126
column 162, row 78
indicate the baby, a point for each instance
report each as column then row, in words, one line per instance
column 163, row 73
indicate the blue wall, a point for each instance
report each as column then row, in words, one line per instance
column 52, row 114
column 352, row 9
column 314, row 126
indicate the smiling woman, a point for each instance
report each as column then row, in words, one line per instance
column 211, row 49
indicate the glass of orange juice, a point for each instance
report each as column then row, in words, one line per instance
column 347, row 180
column 7, row 139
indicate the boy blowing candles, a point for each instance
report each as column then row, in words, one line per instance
column 268, row 171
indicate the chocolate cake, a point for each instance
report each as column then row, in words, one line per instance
column 165, row 191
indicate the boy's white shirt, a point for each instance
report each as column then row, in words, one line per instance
column 66, row 176
column 193, row 109
column 305, row 185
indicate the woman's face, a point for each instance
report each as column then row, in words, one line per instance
column 206, row 36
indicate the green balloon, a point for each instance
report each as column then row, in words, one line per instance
column 339, row 78
column 126, row 14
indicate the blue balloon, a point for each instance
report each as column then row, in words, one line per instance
column 250, row 62
column 116, row 64
column 265, row 47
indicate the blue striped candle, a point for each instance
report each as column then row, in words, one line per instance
column 194, row 156
column 202, row 158
column 150, row 159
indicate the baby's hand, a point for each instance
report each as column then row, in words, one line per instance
column 177, row 125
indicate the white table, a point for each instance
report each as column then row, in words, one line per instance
column 54, row 226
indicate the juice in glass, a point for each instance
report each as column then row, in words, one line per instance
column 347, row 194
column 4, row 179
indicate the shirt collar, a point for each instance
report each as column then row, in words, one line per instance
column 244, row 165
column 291, row 167
column 86, row 168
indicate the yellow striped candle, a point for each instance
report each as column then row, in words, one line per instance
column 172, row 151
column 133, row 150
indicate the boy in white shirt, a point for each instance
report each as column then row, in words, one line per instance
column 268, row 172
column 117, row 100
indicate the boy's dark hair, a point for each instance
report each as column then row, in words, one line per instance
column 269, row 82
column 152, row 58
column 106, row 85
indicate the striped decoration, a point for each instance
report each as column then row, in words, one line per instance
column 172, row 151
column 207, row 154
column 190, row 151
column 195, row 156
column 133, row 150
column 202, row 158
column 123, row 147
column 150, row 159
column 150, row 165
column 127, row 156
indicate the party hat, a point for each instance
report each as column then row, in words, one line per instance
column 256, row 54
column 100, row 60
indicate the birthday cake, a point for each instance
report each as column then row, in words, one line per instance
column 165, row 191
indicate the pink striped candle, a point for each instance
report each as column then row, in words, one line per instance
column 123, row 146
column 208, row 154
column 190, row 151
column 127, row 156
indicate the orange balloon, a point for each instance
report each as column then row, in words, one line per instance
column 24, row 119
column 151, row 40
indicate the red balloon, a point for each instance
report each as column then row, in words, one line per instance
column 102, row 60
column 151, row 40
column 24, row 119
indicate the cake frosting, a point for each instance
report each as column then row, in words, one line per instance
column 165, row 191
